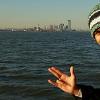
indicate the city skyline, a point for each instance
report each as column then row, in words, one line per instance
column 29, row 13
column 62, row 27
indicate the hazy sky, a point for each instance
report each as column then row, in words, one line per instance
column 27, row 13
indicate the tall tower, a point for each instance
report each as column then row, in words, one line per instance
column 69, row 25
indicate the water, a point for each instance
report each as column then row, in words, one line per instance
column 26, row 56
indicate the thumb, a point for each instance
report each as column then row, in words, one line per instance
column 72, row 71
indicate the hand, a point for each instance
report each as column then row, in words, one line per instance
column 64, row 82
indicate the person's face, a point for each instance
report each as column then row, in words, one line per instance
column 97, row 36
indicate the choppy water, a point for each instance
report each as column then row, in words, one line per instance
column 25, row 58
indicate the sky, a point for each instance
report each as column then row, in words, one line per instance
column 30, row 13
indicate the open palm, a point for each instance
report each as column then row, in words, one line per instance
column 64, row 82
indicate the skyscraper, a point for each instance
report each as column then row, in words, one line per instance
column 69, row 25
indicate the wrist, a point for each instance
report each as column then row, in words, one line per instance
column 76, row 91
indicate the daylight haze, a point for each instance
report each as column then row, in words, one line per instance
column 29, row 13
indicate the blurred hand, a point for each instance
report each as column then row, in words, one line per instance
column 64, row 82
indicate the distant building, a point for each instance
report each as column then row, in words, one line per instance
column 35, row 29
column 56, row 28
column 69, row 24
column 45, row 28
column 51, row 29
column 66, row 28
column 61, row 27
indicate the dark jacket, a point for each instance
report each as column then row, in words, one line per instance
column 89, row 93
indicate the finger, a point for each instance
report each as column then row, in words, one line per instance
column 53, row 72
column 53, row 83
column 60, row 82
column 62, row 76
column 57, row 71
column 72, row 71
column 61, row 85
